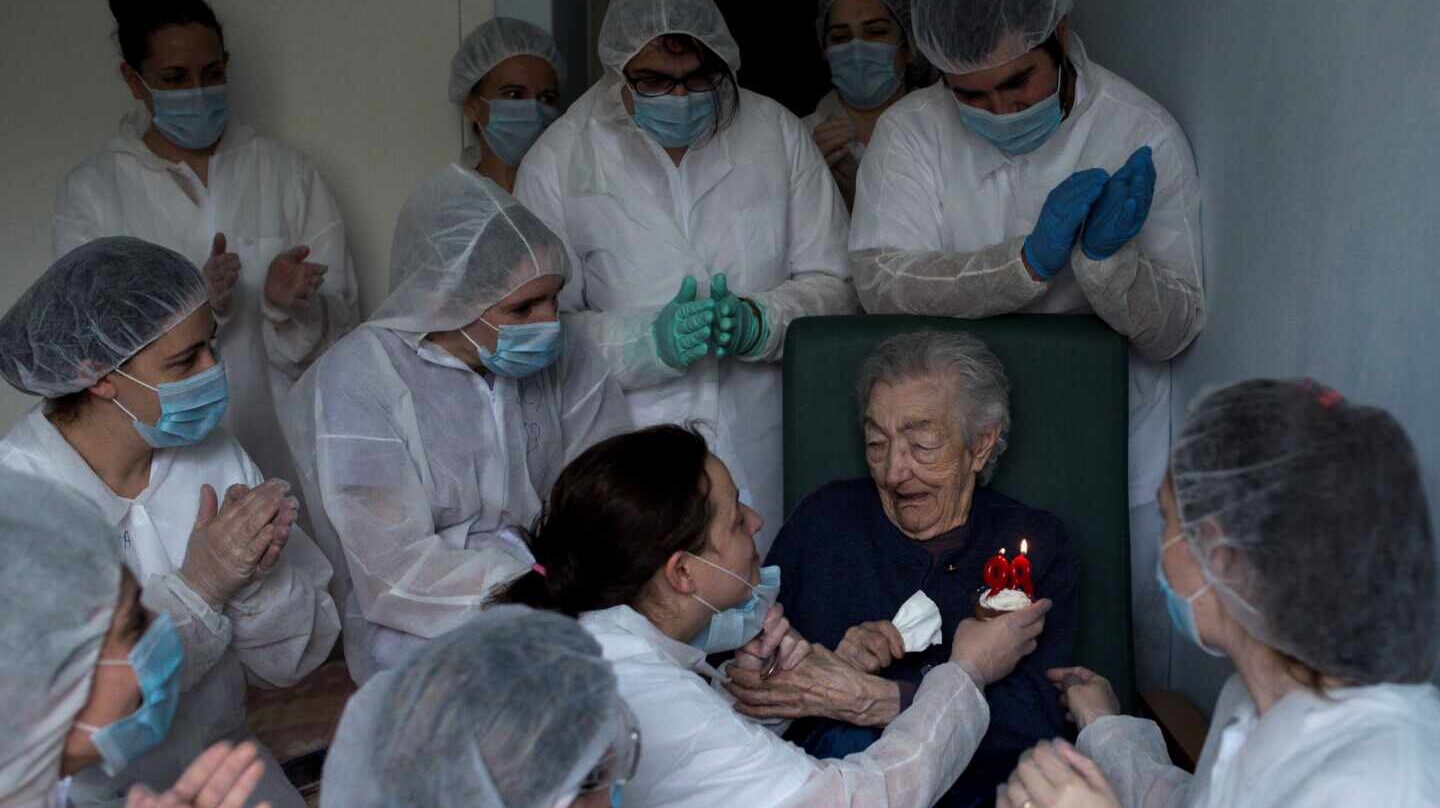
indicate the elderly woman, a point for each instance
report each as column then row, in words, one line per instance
column 936, row 414
column 872, row 65
column 1297, row 543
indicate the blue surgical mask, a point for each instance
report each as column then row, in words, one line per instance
column 193, row 118
column 676, row 121
column 1019, row 132
column 156, row 660
column 863, row 72
column 521, row 350
column 189, row 410
column 1182, row 609
column 515, row 125
column 731, row 628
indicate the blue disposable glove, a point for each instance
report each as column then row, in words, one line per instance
column 1121, row 210
column 1047, row 249
column 741, row 331
column 682, row 331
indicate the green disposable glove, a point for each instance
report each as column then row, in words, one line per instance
column 742, row 325
column 682, row 331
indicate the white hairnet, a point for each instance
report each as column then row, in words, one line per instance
column 631, row 24
column 511, row 710
column 963, row 36
column 462, row 245
column 59, row 587
column 491, row 43
column 1321, row 504
column 91, row 311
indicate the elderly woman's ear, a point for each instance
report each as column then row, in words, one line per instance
column 983, row 448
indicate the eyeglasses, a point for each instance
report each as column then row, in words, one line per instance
column 621, row 760
column 651, row 85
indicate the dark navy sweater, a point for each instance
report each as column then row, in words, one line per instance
column 843, row 563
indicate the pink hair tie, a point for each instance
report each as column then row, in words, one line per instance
column 539, row 569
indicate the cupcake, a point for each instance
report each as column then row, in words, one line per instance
column 993, row 603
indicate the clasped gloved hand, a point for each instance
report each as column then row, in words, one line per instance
column 683, row 328
column 741, row 322
column 1121, row 210
column 1047, row 249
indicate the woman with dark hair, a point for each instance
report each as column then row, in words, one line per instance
column 646, row 540
column 252, row 213
column 669, row 182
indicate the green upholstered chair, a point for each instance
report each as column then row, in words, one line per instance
column 1068, row 454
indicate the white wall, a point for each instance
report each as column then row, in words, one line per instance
column 1314, row 126
column 358, row 85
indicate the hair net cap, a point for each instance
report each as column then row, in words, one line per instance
column 963, row 36
column 91, row 311
column 1308, row 515
column 511, row 710
column 491, row 43
column 630, row 25
column 462, row 244
column 59, row 587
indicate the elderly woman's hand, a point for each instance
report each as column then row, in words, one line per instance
column 871, row 647
column 777, row 648
column 821, row 685
column 1056, row 775
column 1086, row 694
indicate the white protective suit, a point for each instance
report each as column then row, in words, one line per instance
column 941, row 216
column 828, row 108
column 272, row 633
column 754, row 201
column 265, row 198
column 1360, row 747
column 698, row 752
column 417, row 466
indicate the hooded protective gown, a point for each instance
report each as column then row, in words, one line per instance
column 754, row 201
column 265, row 198
column 416, row 466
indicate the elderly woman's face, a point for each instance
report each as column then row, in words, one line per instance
column 918, row 456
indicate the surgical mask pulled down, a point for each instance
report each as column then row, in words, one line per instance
column 676, row 121
column 521, row 350
column 1018, row 132
column 514, row 127
column 193, row 118
column 731, row 628
column 156, row 660
column 189, row 409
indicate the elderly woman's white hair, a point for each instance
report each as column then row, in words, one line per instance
column 979, row 386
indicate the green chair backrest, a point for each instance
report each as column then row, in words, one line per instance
column 1069, row 410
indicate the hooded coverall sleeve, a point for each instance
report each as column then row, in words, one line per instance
column 1152, row 289
column 818, row 230
column 405, row 572
column 1132, row 754
column 205, row 633
column 898, row 257
column 295, row 338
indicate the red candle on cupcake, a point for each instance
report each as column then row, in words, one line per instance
column 997, row 572
column 1020, row 571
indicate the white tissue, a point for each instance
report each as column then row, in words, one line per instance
column 918, row 622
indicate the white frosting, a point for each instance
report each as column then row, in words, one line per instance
column 1006, row 600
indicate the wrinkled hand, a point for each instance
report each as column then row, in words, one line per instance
column 1122, row 208
column 1085, row 694
column 1056, row 775
column 231, row 546
column 821, row 685
column 777, row 643
column 291, row 282
column 222, row 777
column 1047, row 249
column 992, row 648
column 833, row 137
column 740, row 331
column 222, row 272
column 871, row 647
column 683, row 327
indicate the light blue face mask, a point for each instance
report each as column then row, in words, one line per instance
column 515, row 125
column 193, row 118
column 156, row 660
column 1019, row 132
column 1181, row 609
column 189, row 410
column 731, row 628
column 864, row 72
column 520, row 350
column 676, row 121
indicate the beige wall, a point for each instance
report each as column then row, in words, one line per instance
column 359, row 85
